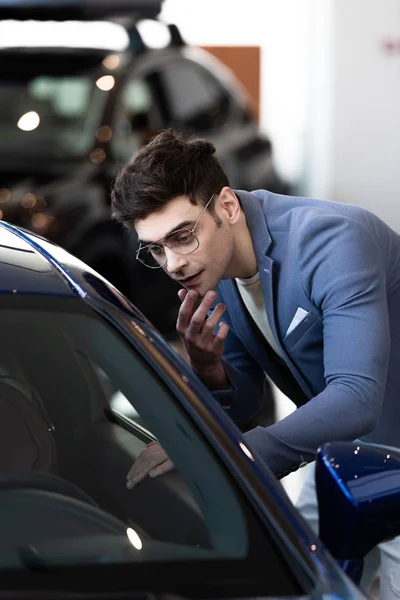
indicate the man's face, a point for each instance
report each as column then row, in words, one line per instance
column 202, row 269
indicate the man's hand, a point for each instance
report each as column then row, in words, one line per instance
column 151, row 462
column 205, row 349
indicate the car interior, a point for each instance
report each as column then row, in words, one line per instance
column 60, row 434
column 66, row 448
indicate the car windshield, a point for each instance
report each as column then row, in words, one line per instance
column 78, row 404
column 44, row 113
column 65, row 429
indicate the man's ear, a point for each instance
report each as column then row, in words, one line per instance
column 229, row 204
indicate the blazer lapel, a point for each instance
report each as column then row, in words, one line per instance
column 255, row 343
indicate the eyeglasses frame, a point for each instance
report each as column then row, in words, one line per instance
column 162, row 242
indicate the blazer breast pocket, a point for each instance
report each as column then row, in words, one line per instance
column 310, row 319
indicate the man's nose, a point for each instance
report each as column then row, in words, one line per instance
column 175, row 262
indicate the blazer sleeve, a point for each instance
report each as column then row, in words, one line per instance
column 342, row 271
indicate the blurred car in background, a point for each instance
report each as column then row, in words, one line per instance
column 77, row 100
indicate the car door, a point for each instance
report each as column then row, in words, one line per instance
column 194, row 523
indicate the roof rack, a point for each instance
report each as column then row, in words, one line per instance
column 136, row 43
column 176, row 36
column 81, row 10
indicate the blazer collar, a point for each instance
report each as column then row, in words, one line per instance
column 256, row 221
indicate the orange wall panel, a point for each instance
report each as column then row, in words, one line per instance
column 244, row 61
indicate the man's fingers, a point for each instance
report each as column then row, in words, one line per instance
column 186, row 311
column 140, row 475
column 200, row 315
column 166, row 467
column 182, row 293
column 141, row 472
column 140, row 469
column 213, row 320
column 130, row 483
column 151, row 457
column 220, row 337
column 137, row 473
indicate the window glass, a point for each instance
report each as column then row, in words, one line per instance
column 118, row 402
column 69, row 96
column 68, row 110
column 70, row 374
column 196, row 99
column 136, row 97
column 137, row 119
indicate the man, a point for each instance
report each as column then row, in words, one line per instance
column 306, row 291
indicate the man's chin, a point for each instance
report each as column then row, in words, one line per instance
column 201, row 289
column 199, row 284
column 205, row 287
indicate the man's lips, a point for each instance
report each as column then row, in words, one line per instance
column 190, row 281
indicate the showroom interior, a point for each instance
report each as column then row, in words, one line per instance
column 135, row 436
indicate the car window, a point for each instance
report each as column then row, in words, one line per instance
column 197, row 100
column 57, row 111
column 64, row 439
column 69, row 96
column 137, row 118
column 88, row 365
column 119, row 403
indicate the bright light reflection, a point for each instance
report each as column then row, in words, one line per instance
column 5, row 195
column 104, row 134
column 134, row 538
column 105, row 83
column 112, row 61
column 29, row 200
column 154, row 33
column 246, row 451
column 139, row 329
column 97, row 156
column 68, row 34
column 41, row 222
column 29, row 121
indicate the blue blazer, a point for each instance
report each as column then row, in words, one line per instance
column 341, row 364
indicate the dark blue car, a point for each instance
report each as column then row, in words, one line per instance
column 73, row 354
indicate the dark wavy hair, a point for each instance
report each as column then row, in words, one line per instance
column 170, row 165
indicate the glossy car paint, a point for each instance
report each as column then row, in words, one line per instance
column 359, row 497
column 58, row 273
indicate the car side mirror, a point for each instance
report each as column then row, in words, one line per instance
column 358, row 489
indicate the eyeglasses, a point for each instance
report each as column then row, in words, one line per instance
column 181, row 241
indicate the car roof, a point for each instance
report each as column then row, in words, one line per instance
column 30, row 264
column 78, row 9
column 67, row 37
column 25, row 269
column 70, row 24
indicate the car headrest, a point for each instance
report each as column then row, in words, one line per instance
column 26, row 439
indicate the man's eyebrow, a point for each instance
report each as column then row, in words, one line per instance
column 176, row 228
